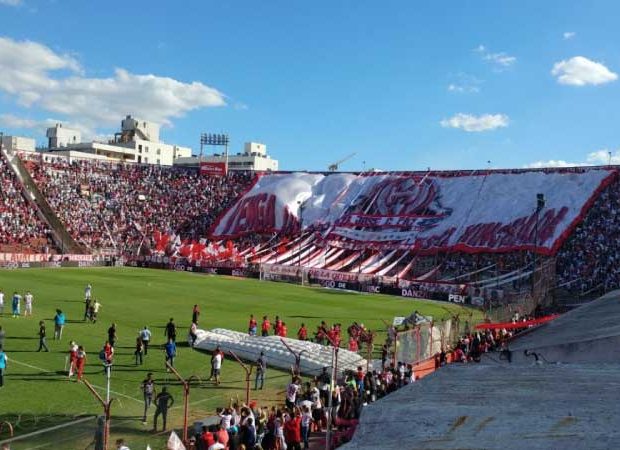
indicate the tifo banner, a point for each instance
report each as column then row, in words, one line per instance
column 213, row 168
column 492, row 211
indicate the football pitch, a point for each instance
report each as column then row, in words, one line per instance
column 37, row 394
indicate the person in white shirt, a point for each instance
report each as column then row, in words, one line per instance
column 216, row 445
column 1, row 301
column 306, row 422
column 120, row 445
column 145, row 335
column 192, row 332
column 226, row 418
column 291, row 393
column 217, row 366
column 95, row 310
column 28, row 299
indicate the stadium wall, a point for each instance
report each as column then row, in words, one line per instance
column 429, row 291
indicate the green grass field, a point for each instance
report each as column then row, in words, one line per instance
column 37, row 395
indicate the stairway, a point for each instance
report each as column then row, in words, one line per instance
column 60, row 235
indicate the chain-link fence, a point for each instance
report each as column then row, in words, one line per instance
column 427, row 339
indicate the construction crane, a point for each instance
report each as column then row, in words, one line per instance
column 334, row 166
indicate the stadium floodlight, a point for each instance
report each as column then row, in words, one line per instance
column 216, row 140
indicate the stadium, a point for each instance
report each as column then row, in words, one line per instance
column 298, row 245
column 164, row 297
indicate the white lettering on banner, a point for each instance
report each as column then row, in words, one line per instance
column 455, row 298
column 323, row 274
column 291, row 271
column 41, row 257
column 411, row 293
column 213, row 168
column 398, row 320
column 471, row 212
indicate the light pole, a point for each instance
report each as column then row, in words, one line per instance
column 540, row 205
column 248, row 376
column 186, row 386
column 106, row 409
column 301, row 230
column 335, row 346
column 215, row 140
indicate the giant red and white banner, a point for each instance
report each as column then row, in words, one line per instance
column 213, row 168
column 494, row 211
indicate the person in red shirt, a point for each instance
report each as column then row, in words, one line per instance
column 207, row 437
column 292, row 431
column 277, row 326
column 222, row 435
column 73, row 348
column 353, row 347
column 302, row 333
column 252, row 326
column 265, row 326
column 283, row 331
column 80, row 362
column 331, row 336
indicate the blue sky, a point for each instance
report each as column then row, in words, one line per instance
column 405, row 84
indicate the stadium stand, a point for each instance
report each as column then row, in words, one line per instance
column 21, row 228
column 113, row 207
column 122, row 209
column 588, row 260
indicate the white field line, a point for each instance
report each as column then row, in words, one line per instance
column 56, row 427
column 101, row 388
column 84, row 419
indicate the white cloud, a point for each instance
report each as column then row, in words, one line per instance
column 597, row 158
column 500, row 60
column 463, row 88
column 39, row 126
column 463, row 83
column 11, row 121
column 603, row 157
column 471, row 123
column 11, row 2
column 552, row 163
column 568, row 35
column 580, row 71
column 37, row 76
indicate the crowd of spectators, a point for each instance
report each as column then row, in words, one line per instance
column 589, row 259
column 21, row 228
column 118, row 206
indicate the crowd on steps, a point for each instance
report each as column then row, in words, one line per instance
column 22, row 230
column 115, row 206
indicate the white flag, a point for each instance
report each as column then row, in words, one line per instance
column 174, row 442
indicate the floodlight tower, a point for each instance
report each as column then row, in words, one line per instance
column 216, row 140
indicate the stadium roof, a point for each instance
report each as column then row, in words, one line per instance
column 523, row 404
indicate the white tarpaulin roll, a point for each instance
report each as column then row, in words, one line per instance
column 314, row 357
